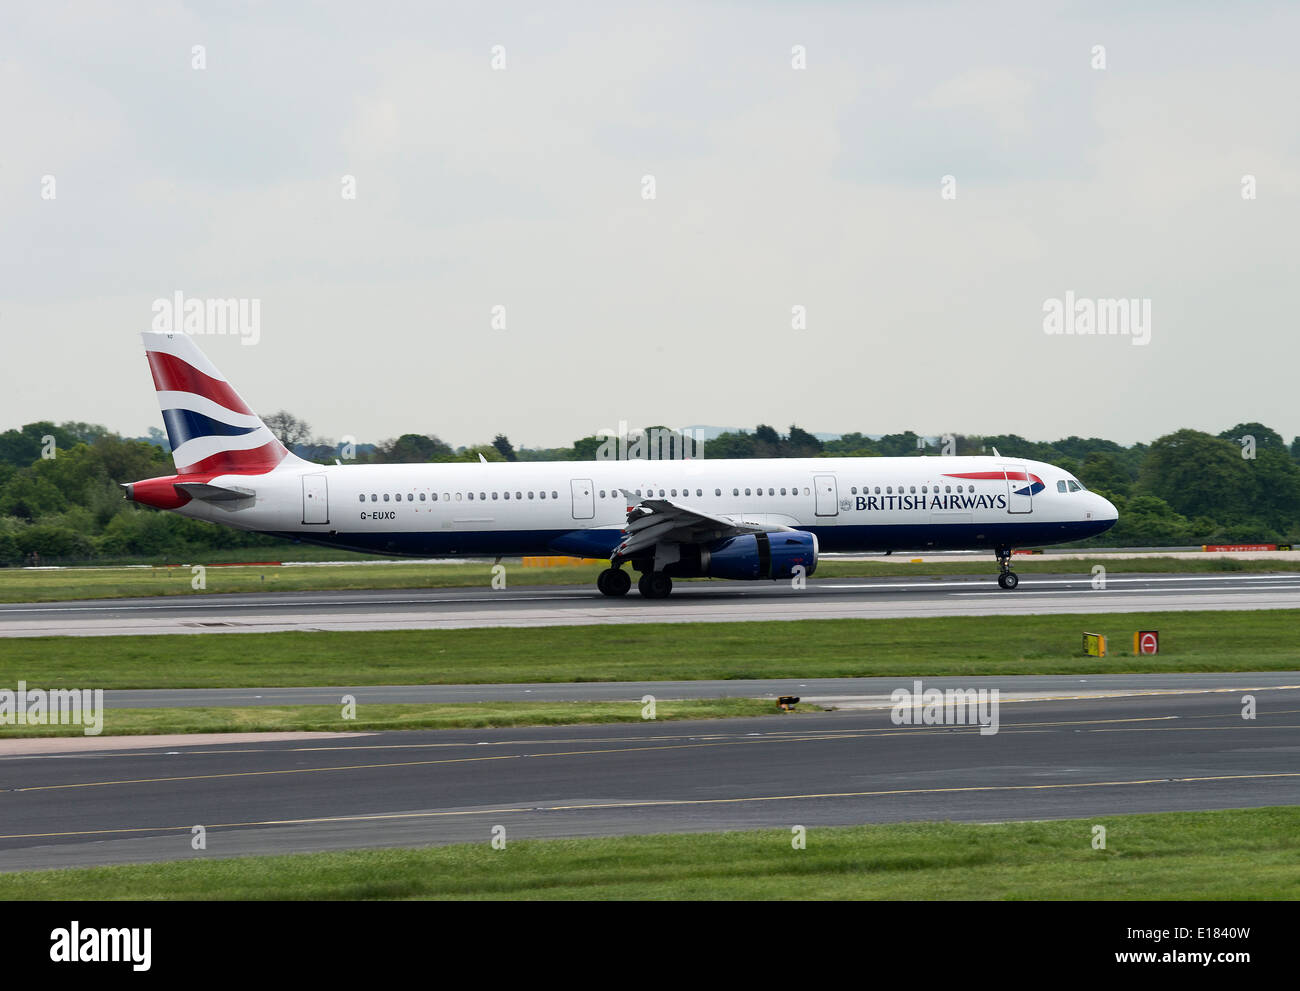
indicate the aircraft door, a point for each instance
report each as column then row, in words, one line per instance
column 828, row 499
column 315, row 499
column 584, row 498
column 1020, row 492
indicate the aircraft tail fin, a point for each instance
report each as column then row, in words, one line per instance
column 211, row 429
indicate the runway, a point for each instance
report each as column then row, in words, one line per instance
column 1050, row 759
column 690, row 602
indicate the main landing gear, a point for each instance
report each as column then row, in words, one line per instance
column 613, row 581
column 652, row 585
column 1008, row 579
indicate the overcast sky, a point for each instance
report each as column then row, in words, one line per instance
column 775, row 187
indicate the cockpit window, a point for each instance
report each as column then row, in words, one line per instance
column 1060, row 486
column 1075, row 486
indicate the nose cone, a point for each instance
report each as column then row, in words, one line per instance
column 1105, row 509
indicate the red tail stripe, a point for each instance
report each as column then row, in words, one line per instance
column 253, row 462
column 171, row 374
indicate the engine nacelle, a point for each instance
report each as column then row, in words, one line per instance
column 760, row 555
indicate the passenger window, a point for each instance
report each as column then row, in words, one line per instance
column 913, row 490
column 363, row 497
column 602, row 493
column 519, row 495
column 458, row 497
column 373, row 497
column 447, row 496
column 410, row 497
column 530, row 495
column 747, row 492
column 422, row 497
column 555, row 495
column 699, row 493
column 386, row 499
column 471, row 495
column 735, row 492
column 541, row 495
column 494, row 495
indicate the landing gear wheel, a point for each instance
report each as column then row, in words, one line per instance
column 655, row 585
column 1007, row 578
column 613, row 582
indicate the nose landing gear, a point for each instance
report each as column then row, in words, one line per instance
column 1007, row 578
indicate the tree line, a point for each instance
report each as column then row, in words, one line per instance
column 61, row 501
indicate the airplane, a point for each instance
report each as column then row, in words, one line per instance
column 668, row 518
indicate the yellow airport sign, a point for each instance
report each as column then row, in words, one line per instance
column 1094, row 645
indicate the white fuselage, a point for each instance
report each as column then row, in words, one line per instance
column 851, row 504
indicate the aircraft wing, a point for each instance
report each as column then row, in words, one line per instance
column 655, row 521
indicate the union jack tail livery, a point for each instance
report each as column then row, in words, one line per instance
column 211, row 429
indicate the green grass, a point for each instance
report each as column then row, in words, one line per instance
column 20, row 585
column 1237, row 854
column 1263, row 640
column 376, row 716
column 100, row 583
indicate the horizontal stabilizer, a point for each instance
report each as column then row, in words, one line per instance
column 214, row 493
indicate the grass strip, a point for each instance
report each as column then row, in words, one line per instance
column 1234, row 854
column 1248, row 640
column 396, row 716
